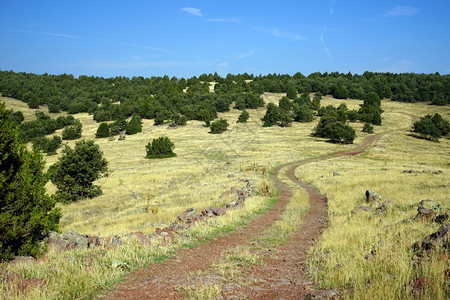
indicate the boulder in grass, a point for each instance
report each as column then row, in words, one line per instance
column 437, row 240
column 371, row 196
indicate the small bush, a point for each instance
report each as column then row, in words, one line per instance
column 219, row 126
column 72, row 132
column 102, row 131
column 367, row 128
column 134, row 126
column 161, row 147
column 76, row 171
column 243, row 117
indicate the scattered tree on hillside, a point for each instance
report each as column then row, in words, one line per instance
column 134, row 126
column 102, row 131
column 272, row 115
column 219, row 126
column 34, row 102
column 432, row 127
column 243, row 117
column 368, row 128
column 27, row 213
column 76, row 171
column 303, row 113
column 330, row 126
column 161, row 147
column 291, row 92
column 46, row 145
column 371, row 111
column 72, row 132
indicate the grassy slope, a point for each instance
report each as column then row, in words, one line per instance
column 340, row 259
column 199, row 174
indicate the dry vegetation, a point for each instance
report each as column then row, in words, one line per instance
column 201, row 172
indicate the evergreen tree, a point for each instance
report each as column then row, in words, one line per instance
column 76, row 170
column 72, row 132
column 161, row 147
column 34, row 102
column 303, row 113
column 368, row 128
column 219, row 126
column 243, row 117
column 134, row 126
column 27, row 213
column 291, row 92
column 272, row 115
column 102, row 131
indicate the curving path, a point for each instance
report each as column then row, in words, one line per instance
column 282, row 276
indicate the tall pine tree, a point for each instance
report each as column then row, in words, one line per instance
column 27, row 213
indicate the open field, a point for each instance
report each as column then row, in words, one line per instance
column 207, row 165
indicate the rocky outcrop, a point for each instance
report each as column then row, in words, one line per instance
column 437, row 240
column 371, row 196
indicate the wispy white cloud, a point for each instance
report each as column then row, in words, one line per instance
column 222, row 20
column 328, row 53
column 332, row 7
column 92, row 39
column 47, row 33
column 384, row 58
column 401, row 11
column 281, row 34
column 192, row 11
column 133, row 45
column 322, row 41
column 323, row 33
column 245, row 54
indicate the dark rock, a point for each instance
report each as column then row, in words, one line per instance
column 219, row 211
column 112, row 241
column 141, row 238
column 187, row 216
column 371, row 196
column 410, row 171
column 424, row 213
column 441, row 219
column 68, row 240
column 230, row 205
column 336, row 174
column 436, row 240
column 94, row 241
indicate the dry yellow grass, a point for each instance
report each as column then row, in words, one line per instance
column 200, row 173
column 195, row 178
column 342, row 258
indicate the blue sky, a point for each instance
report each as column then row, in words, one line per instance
column 187, row 38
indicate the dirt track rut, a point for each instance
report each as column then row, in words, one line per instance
column 282, row 275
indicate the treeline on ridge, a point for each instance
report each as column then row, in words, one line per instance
column 164, row 98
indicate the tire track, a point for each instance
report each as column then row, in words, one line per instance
column 283, row 274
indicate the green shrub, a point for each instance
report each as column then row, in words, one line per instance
column 243, row 117
column 161, row 147
column 134, row 126
column 368, row 128
column 102, row 131
column 27, row 213
column 72, row 132
column 432, row 127
column 46, row 145
column 219, row 126
column 76, row 170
